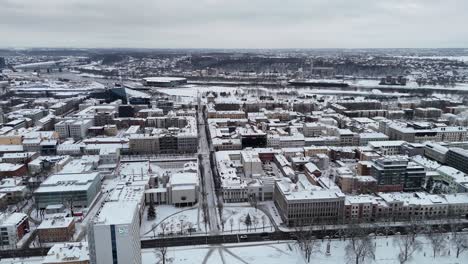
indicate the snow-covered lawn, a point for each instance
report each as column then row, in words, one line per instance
column 170, row 220
column 387, row 251
column 193, row 90
column 288, row 252
column 259, row 253
column 234, row 216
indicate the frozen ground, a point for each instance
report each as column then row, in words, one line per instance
column 287, row 252
column 258, row 253
column 191, row 91
column 409, row 85
column 235, row 215
column 458, row 58
column 172, row 218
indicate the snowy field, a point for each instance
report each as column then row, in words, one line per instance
column 235, row 216
column 192, row 91
column 170, row 219
column 270, row 253
column 287, row 252
column 409, row 85
column 458, row 58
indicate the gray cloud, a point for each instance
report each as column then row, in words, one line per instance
column 234, row 24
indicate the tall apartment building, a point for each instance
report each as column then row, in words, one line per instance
column 301, row 205
column 77, row 129
column 56, row 229
column 429, row 112
column 436, row 152
column 397, row 174
column 347, row 137
column 458, row 158
column 12, row 228
column 387, row 148
column 114, row 234
column 79, row 189
column 313, row 129
column 422, row 132
column 365, row 138
column 164, row 143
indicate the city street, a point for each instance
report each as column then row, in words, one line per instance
column 208, row 182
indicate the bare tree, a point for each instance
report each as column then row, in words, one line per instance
column 436, row 240
column 171, row 229
column 231, row 222
column 458, row 240
column 220, row 207
column 163, row 226
column 263, row 222
column 205, row 216
column 253, row 201
column 190, row 227
column 181, row 226
column 306, row 241
column 163, row 252
column 360, row 246
column 223, row 222
column 414, row 228
column 255, row 222
column 408, row 245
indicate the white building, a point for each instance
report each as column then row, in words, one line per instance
column 77, row 189
column 183, row 188
column 77, row 129
column 114, row 235
column 365, row 138
column 12, row 228
column 252, row 163
column 76, row 253
column 387, row 148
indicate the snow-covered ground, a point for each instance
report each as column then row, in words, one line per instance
column 259, row 253
column 287, row 252
column 409, row 85
column 458, row 58
column 282, row 252
column 235, row 215
column 172, row 218
column 192, row 91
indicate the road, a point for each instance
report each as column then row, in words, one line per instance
column 208, row 182
column 215, row 239
column 318, row 232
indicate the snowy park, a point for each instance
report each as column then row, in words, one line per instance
column 387, row 251
column 170, row 220
column 245, row 219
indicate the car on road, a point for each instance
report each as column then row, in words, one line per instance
column 243, row 237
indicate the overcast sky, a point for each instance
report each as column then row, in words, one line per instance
column 234, row 23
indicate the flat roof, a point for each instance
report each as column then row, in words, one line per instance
column 58, row 222
column 68, row 182
column 116, row 213
column 164, row 79
column 67, row 252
